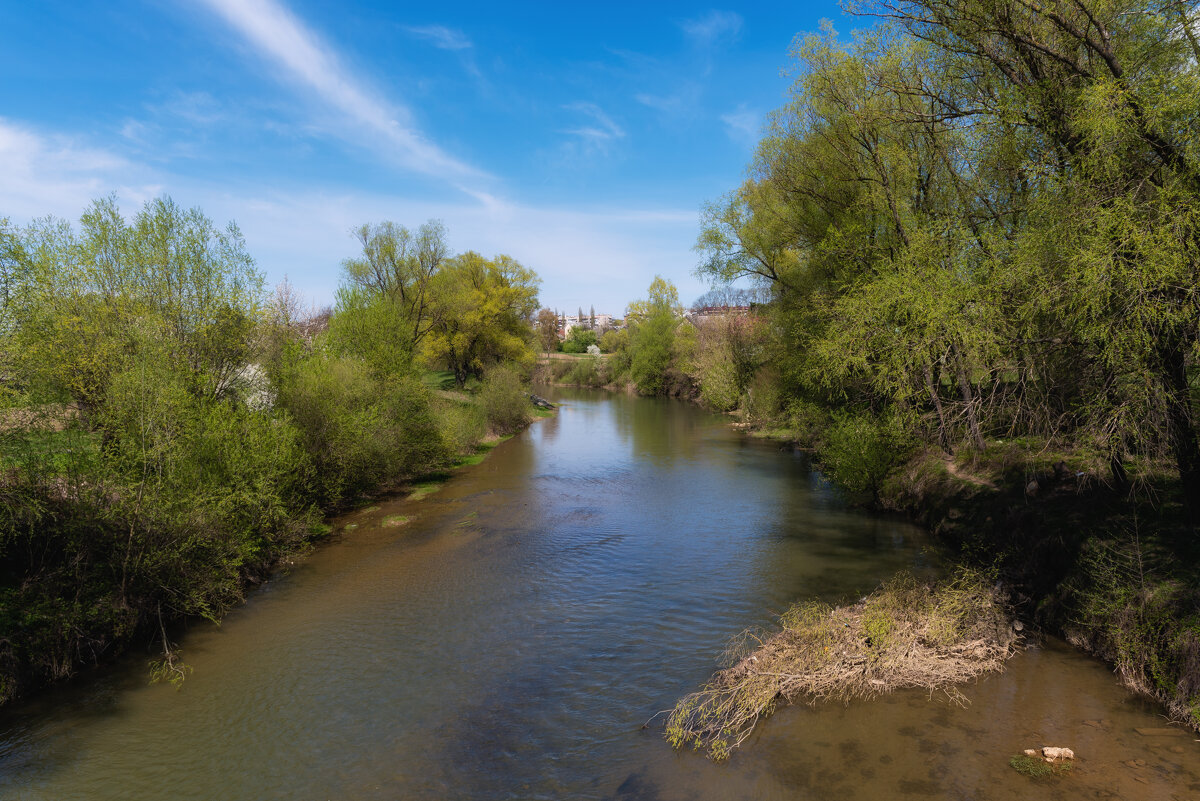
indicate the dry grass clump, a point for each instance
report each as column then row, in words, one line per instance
column 905, row 634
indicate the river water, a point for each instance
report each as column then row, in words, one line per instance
column 507, row 636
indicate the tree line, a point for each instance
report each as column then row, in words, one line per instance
column 977, row 221
column 169, row 429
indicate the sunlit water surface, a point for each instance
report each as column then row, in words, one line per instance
column 509, row 641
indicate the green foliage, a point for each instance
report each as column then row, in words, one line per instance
column 480, row 312
column 579, row 340
column 360, row 430
column 462, row 424
column 88, row 299
column 860, row 451
column 165, row 434
column 588, row 372
column 504, row 400
column 997, row 238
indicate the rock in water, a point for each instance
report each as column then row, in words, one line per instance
column 1053, row 754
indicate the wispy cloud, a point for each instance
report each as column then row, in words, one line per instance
column 602, row 129
column 440, row 36
column 712, row 27
column 59, row 175
column 743, row 125
column 283, row 39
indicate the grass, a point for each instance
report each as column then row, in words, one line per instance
column 58, row 451
column 439, row 379
column 1038, row 768
column 423, row 489
column 392, row 521
column 481, row 452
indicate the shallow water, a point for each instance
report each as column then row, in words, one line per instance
column 511, row 637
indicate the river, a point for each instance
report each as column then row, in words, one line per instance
column 507, row 636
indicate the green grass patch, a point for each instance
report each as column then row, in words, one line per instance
column 438, row 379
column 425, row 488
column 57, row 452
column 391, row 521
column 481, row 452
column 1038, row 768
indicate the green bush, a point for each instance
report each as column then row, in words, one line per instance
column 763, row 400
column 808, row 422
column 860, row 451
column 651, row 352
column 586, row 373
column 579, row 340
column 504, row 400
column 463, row 425
column 360, row 431
column 717, row 375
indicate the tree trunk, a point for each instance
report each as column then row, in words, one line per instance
column 968, row 396
column 943, row 434
column 1181, row 433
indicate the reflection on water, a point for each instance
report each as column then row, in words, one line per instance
column 510, row 640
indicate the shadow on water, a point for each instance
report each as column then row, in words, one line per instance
column 509, row 638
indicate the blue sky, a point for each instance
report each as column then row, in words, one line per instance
column 581, row 139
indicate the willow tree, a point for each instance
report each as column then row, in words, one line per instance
column 1104, row 93
column 480, row 314
column 399, row 265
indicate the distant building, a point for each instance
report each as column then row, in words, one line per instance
column 573, row 321
column 709, row 314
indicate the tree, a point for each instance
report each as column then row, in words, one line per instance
column 579, row 340
column 481, row 314
column 92, row 298
column 1104, row 92
column 400, row 265
column 662, row 295
column 592, row 318
column 547, row 330
column 653, row 335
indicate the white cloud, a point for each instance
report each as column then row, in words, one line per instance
column 602, row 255
column 441, row 37
column 712, row 27
column 601, row 132
column 58, row 175
column 743, row 125
column 282, row 38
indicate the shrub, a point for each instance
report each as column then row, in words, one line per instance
column 504, row 401
column 463, row 425
column 763, row 399
column 860, row 451
column 360, row 431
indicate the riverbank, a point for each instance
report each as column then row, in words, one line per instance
column 1110, row 568
column 88, row 575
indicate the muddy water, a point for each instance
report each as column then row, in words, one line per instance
column 506, row 637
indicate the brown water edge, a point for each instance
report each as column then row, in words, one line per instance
column 911, row 745
column 509, row 639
